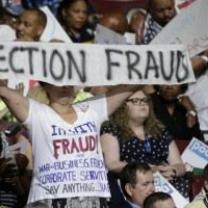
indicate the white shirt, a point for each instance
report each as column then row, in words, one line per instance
column 68, row 160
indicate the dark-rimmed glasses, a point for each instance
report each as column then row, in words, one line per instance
column 139, row 101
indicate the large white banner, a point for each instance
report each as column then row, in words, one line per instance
column 189, row 27
column 91, row 64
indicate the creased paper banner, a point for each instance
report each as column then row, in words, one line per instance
column 91, row 65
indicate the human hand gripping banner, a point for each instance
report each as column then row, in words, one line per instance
column 91, row 64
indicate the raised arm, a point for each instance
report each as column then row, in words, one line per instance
column 199, row 63
column 117, row 95
column 17, row 103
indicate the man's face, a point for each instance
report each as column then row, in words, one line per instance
column 28, row 29
column 143, row 188
column 169, row 203
column 170, row 92
column 162, row 11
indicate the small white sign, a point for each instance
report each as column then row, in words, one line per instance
column 196, row 154
column 161, row 184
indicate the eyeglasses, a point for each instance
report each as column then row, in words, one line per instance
column 139, row 101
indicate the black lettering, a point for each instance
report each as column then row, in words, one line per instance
column 180, row 58
column 171, row 68
column 151, row 65
column 56, row 55
column 133, row 59
column 30, row 54
column 13, row 54
column 3, row 58
column 110, row 63
column 43, row 52
column 72, row 63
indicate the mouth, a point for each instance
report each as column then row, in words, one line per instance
column 80, row 24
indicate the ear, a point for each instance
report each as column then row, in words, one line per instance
column 128, row 188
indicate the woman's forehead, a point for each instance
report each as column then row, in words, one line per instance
column 139, row 94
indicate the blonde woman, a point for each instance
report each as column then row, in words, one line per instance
column 134, row 134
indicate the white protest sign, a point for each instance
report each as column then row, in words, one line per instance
column 130, row 38
column 188, row 28
column 196, row 154
column 161, row 184
column 53, row 30
column 7, row 33
column 91, row 65
column 103, row 35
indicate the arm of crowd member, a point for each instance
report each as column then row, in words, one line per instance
column 111, row 151
column 199, row 64
column 174, row 167
column 175, row 161
column 17, row 103
column 165, row 170
column 118, row 94
column 186, row 102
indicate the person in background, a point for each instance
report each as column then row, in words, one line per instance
column 160, row 13
column 134, row 134
column 159, row 200
column 137, row 183
column 73, row 15
column 201, row 199
column 14, row 175
column 176, row 111
column 31, row 25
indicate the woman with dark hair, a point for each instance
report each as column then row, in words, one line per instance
column 176, row 111
column 73, row 15
column 134, row 134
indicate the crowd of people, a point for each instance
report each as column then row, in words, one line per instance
column 96, row 147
